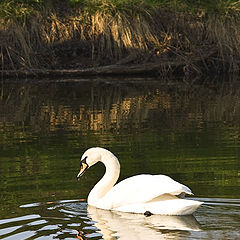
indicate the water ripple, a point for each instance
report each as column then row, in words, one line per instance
column 67, row 219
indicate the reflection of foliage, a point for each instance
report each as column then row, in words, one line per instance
column 100, row 108
column 185, row 132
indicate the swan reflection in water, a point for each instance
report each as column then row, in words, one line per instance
column 126, row 226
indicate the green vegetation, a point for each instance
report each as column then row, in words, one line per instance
column 202, row 35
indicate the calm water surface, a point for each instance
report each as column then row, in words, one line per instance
column 190, row 132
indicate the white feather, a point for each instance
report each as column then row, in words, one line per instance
column 143, row 188
column 158, row 194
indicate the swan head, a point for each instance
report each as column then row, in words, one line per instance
column 89, row 158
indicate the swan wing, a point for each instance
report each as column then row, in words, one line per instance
column 141, row 189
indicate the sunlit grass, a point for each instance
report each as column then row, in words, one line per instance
column 112, row 30
column 20, row 8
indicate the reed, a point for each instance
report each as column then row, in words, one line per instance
column 204, row 35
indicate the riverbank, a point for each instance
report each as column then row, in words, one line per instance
column 71, row 38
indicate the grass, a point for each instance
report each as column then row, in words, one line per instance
column 79, row 33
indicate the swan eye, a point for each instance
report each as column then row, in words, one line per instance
column 83, row 161
column 83, row 167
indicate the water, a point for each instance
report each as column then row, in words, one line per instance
column 190, row 132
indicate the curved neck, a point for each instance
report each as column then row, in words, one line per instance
column 108, row 180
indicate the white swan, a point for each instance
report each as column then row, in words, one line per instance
column 155, row 194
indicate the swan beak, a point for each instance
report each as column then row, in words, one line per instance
column 84, row 167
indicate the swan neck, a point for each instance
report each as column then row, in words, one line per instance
column 107, row 181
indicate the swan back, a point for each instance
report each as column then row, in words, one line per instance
column 143, row 188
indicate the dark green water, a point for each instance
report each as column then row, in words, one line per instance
column 190, row 132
